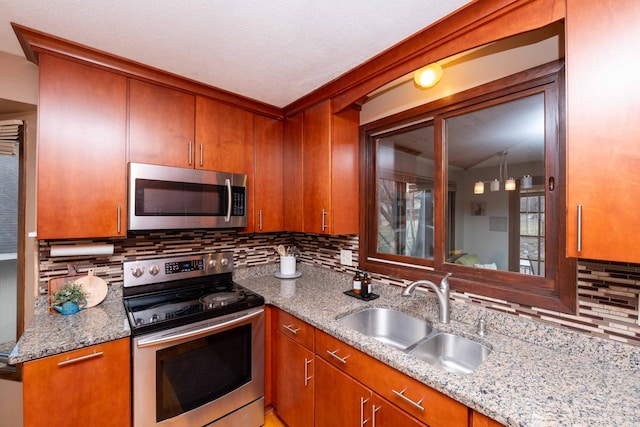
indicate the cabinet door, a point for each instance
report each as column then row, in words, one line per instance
column 340, row 400
column 161, row 125
column 294, row 382
column 82, row 114
column 316, row 175
column 344, row 172
column 86, row 387
column 603, row 152
column 224, row 137
column 268, row 181
column 292, row 186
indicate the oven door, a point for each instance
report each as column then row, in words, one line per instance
column 196, row 374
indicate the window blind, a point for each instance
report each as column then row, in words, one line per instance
column 10, row 136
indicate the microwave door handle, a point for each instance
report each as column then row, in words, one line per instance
column 199, row 331
column 227, row 182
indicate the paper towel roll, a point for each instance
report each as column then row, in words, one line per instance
column 79, row 250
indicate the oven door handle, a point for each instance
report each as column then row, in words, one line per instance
column 227, row 182
column 199, row 331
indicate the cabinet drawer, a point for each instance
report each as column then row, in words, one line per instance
column 419, row 400
column 295, row 329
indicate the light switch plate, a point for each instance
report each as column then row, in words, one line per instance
column 346, row 258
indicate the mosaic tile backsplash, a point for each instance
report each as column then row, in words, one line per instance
column 607, row 292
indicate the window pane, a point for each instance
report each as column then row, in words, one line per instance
column 404, row 172
column 8, row 249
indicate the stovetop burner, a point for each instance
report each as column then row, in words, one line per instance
column 204, row 290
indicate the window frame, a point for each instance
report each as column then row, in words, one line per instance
column 555, row 291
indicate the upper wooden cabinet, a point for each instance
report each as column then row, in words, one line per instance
column 321, row 148
column 224, row 137
column 82, row 116
column 603, row 146
column 268, row 174
column 161, row 125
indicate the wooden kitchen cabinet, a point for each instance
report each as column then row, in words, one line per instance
column 161, row 125
column 86, row 387
column 603, row 146
column 346, row 402
column 82, row 113
column 321, row 171
column 295, row 379
column 268, row 174
column 330, row 170
column 422, row 402
column 224, row 137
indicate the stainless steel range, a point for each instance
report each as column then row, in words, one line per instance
column 198, row 343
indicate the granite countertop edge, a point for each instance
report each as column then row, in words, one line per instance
column 48, row 334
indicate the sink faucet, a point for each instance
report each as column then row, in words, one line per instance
column 441, row 291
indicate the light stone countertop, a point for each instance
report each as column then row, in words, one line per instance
column 48, row 333
column 536, row 375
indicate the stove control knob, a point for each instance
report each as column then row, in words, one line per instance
column 154, row 318
column 154, row 270
column 137, row 271
column 224, row 262
column 212, row 263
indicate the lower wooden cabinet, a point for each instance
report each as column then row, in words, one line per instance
column 86, row 387
column 480, row 420
column 322, row 381
column 294, row 382
column 343, row 401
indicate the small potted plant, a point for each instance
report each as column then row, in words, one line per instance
column 70, row 298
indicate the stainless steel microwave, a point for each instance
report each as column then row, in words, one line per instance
column 167, row 198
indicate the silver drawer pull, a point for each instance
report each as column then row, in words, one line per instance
column 307, row 377
column 341, row 359
column 290, row 329
column 81, row 358
column 401, row 394
column 363, row 401
column 373, row 414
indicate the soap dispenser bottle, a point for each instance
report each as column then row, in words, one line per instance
column 366, row 286
column 356, row 286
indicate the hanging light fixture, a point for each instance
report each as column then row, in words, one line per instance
column 526, row 182
column 428, row 76
column 478, row 187
column 510, row 184
column 495, row 185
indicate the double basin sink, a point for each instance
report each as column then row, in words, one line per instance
column 418, row 338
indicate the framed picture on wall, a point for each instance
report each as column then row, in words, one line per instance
column 478, row 208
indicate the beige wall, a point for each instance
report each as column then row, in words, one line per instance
column 19, row 80
column 19, row 83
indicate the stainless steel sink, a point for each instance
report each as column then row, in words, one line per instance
column 418, row 338
column 391, row 327
column 452, row 353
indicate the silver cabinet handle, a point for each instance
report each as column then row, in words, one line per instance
column 260, row 220
column 362, row 403
column 579, row 231
column 190, row 159
column 307, row 377
column 290, row 329
column 373, row 414
column 417, row 404
column 201, row 155
column 324, row 213
column 81, row 358
column 341, row 359
column 119, row 226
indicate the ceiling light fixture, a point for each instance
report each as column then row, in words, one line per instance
column 428, row 76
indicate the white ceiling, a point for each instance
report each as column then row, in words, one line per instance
column 274, row 51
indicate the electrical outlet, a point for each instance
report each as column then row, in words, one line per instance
column 346, row 258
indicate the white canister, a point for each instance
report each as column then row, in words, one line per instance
column 287, row 265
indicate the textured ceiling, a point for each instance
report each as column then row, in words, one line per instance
column 274, row 51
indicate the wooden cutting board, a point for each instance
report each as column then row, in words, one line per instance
column 95, row 286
